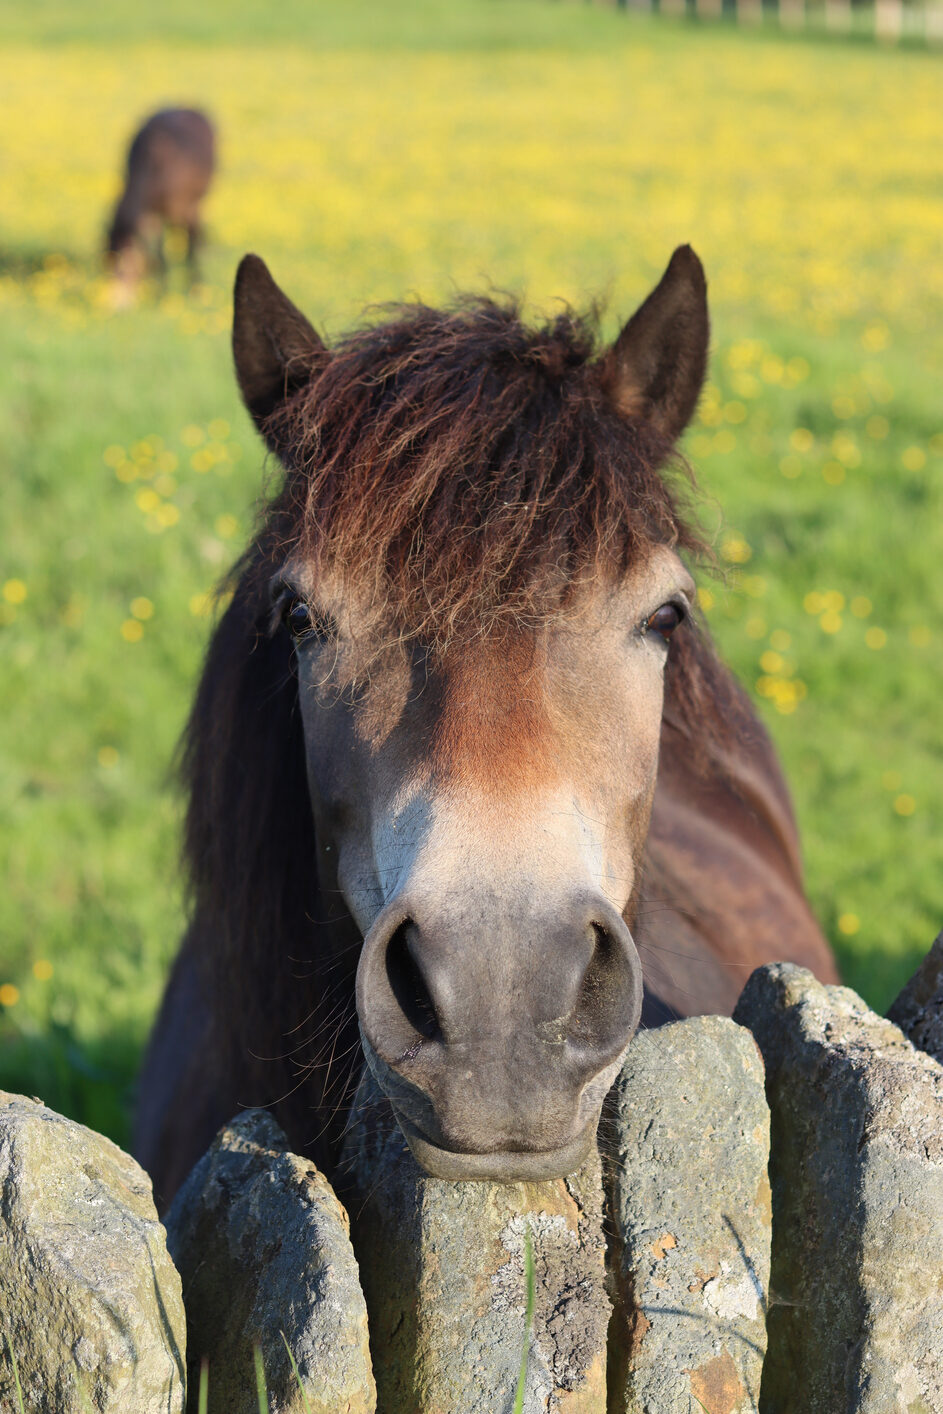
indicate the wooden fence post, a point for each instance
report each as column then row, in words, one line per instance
column 792, row 14
column 749, row 12
column 838, row 16
column 888, row 20
column 893, row 20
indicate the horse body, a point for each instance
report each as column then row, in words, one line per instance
column 170, row 166
column 723, row 882
column 457, row 804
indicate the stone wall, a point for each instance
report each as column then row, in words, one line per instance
column 762, row 1229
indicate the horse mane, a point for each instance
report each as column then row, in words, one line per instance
column 472, row 472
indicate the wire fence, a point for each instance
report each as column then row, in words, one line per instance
column 888, row 21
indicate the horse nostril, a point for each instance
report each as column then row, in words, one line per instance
column 408, row 985
column 602, row 994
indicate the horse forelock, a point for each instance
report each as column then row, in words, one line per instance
column 468, row 471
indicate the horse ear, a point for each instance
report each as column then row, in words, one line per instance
column 655, row 369
column 275, row 349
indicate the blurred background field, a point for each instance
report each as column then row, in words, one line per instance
column 371, row 152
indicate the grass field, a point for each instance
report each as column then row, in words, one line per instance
column 372, row 151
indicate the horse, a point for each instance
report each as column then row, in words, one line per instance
column 170, row 165
column 471, row 794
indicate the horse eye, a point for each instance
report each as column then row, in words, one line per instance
column 303, row 623
column 296, row 616
column 665, row 620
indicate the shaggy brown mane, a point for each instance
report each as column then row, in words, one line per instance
column 471, row 470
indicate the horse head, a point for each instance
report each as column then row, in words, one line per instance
column 474, row 564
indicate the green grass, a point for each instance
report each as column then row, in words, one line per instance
column 84, row 1401
column 529, row 1285
column 17, row 1387
column 261, row 1389
column 371, row 151
column 297, row 1374
column 366, row 24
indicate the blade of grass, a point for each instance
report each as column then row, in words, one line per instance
column 260, row 1380
column 528, row 1321
column 304, row 1398
column 84, row 1400
column 16, row 1376
column 203, row 1396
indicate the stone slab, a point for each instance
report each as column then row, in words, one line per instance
column 857, row 1177
column 89, row 1298
column 687, row 1148
column 918, row 1011
column 442, row 1266
column 263, row 1247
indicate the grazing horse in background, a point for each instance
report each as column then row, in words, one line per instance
column 170, row 166
column 465, row 773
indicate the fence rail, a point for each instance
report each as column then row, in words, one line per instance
column 889, row 21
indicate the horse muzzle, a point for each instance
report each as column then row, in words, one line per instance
column 496, row 1045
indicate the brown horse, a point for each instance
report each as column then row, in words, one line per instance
column 170, row 166
column 464, row 769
